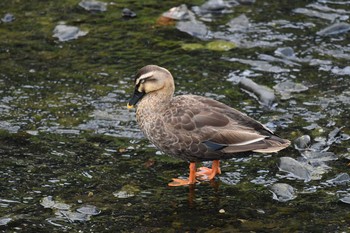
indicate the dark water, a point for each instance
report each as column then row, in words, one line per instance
column 73, row 159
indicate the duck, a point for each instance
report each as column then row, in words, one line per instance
column 195, row 128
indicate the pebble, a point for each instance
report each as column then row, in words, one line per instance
column 334, row 29
column 92, row 5
column 66, row 33
column 294, row 168
column 8, row 18
column 127, row 13
column 282, row 192
column 302, row 142
column 89, row 209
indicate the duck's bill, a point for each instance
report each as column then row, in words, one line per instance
column 135, row 98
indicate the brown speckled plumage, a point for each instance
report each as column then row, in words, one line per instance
column 195, row 128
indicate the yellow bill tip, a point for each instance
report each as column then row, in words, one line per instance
column 129, row 106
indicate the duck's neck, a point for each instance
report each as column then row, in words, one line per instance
column 155, row 101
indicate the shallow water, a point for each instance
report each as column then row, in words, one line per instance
column 72, row 156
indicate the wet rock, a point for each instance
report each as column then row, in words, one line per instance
column 231, row 178
column 73, row 216
column 270, row 58
column 192, row 46
column 285, row 89
column 214, row 6
column 333, row 136
column 345, row 199
column 4, row 221
column 220, row 45
column 61, row 206
column 285, row 52
column 325, row 8
column 217, row 45
column 66, row 33
column 341, row 179
column 311, row 126
column 194, row 28
column 92, row 5
column 341, row 71
column 334, row 29
column 259, row 65
column 127, row 13
column 264, row 94
column 313, row 13
column 320, row 156
column 127, row 191
column 240, row 23
column 47, row 202
column 294, row 168
column 9, row 127
column 282, row 192
column 179, row 13
column 302, row 142
column 8, row 18
column 246, row 2
column 89, row 210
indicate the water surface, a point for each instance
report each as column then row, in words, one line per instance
column 72, row 156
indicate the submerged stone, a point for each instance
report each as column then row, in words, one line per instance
column 127, row 13
column 334, row 29
column 89, row 209
column 92, row 5
column 73, row 216
column 194, row 28
column 302, row 142
column 294, row 168
column 220, row 45
column 4, row 221
column 264, row 94
column 214, row 5
column 8, row 18
column 61, row 206
column 285, row 52
column 341, row 179
column 320, row 156
column 178, row 13
column 246, row 2
column 313, row 13
column 285, row 89
column 240, row 23
column 192, row 46
column 231, row 178
column 66, row 33
column 259, row 65
column 127, row 191
column 282, row 192
column 345, row 199
column 341, row 71
column 47, row 202
column 333, row 136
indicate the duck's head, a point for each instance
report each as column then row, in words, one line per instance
column 151, row 79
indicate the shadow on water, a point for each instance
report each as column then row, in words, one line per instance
column 73, row 159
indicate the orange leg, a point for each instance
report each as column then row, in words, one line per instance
column 191, row 179
column 205, row 173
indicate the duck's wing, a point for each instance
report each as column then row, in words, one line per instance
column 223, row 128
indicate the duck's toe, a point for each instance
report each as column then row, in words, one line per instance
column 205, row 173
column 181, row 182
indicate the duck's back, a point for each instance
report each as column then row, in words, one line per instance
column 197, row 128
